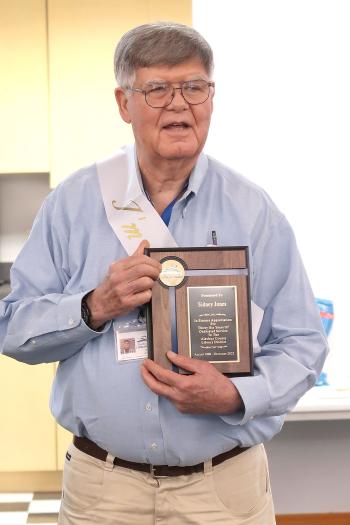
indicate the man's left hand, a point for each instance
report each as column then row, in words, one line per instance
column 206, row 390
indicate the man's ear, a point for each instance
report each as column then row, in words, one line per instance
column 122, row 101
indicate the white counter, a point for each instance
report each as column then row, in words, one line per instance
column 322, row 403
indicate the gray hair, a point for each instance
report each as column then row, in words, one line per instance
column 165, row 43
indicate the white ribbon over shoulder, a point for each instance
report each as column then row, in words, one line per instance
column 128, row 210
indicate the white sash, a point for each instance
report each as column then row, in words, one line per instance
column 128, row 210
column 133, row 217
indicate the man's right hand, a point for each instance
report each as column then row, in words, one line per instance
column 128, row 285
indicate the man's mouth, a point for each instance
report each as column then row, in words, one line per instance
column 177, row 125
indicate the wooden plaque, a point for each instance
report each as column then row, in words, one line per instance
column 200, row 307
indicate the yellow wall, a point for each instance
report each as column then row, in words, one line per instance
column 57, row 108
column 85, row 124
column 28, row 431
column 24, row 145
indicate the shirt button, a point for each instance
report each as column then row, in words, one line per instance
column 33, row 341
column 148, row 407
column 154, row 446
column 70, row 322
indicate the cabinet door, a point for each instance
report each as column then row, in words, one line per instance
column 84, row 119
column 24, row 145
column 28, row 431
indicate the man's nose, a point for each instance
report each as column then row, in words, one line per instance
column 178, row 100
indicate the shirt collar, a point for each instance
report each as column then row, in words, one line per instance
column 196, row 177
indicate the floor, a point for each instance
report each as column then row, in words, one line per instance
column 23, row 508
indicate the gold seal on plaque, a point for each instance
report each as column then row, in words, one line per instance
column 173, row 272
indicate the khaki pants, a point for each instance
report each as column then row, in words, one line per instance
column 233, row 493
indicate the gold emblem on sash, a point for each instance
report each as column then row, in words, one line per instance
column 132, row 230
column 127, row 208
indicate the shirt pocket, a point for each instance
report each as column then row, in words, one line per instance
column 241, row 485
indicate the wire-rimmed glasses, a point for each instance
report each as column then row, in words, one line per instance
column 161, row 94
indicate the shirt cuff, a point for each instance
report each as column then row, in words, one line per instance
column 69, row 316
column 256, row 399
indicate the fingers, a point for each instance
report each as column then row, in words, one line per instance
column 134, row 261
column 187, row 363
column 161, row 374
column 162, row 389
column 133, row 279
column 139, row 285
column 137, row 264
column 204, row 391
column 128, row 285
column 173, row 386
column 126, row 303
column 141, row 248
column 134, row 274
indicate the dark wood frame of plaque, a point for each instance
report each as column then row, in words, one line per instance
column 235, row 260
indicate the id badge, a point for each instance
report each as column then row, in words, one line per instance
column 130, row 341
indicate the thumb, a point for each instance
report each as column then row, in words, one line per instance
column 141, row 247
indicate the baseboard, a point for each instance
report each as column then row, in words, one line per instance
column 314, row 519
column 48, row 481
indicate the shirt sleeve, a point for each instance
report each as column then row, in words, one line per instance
column 39, row 321
column 291, row 337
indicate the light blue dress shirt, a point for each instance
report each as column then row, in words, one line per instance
column 68, row 253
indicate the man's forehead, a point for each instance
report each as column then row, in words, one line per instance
column 190, row 70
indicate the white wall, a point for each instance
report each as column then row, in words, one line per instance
column 282, row 118
column 309, row 467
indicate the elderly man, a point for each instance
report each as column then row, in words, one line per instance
column 153, row 446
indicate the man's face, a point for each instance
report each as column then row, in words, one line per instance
column 179, row 130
